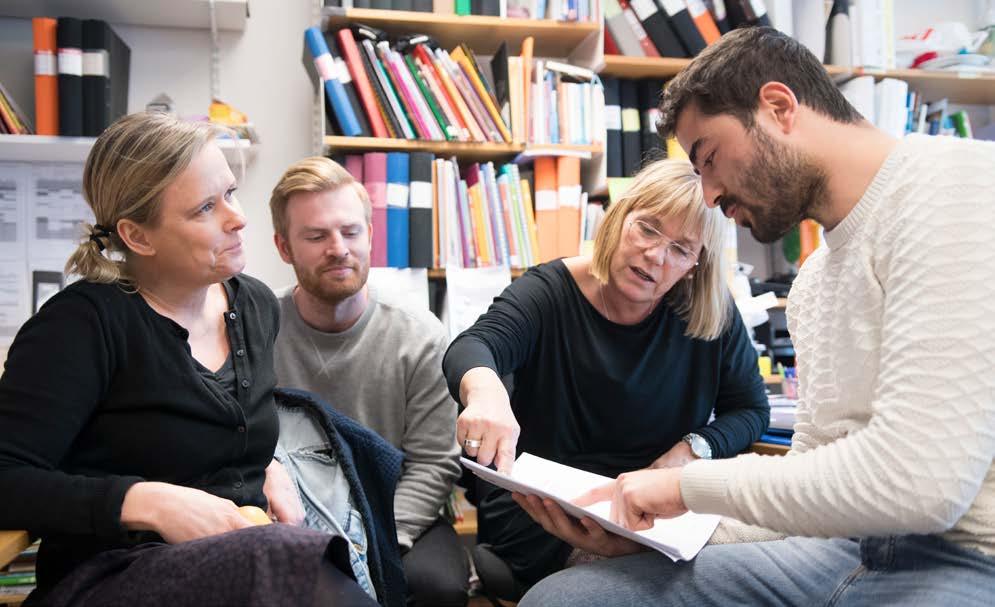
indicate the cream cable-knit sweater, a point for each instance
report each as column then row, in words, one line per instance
column 893, row 324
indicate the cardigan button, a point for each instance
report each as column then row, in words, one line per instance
column 232, row 315
column 245, row 383
column 240, row 352
column 241, row 429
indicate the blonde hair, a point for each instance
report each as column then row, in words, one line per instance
column 126, row 172
column 670, row 189
column 312, row 175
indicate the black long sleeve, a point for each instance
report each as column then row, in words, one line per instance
column 100, row 392
column 604, row 397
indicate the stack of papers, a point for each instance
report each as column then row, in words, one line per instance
column 679, row 538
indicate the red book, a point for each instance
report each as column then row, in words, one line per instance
column 352, row 59
column 610, row 47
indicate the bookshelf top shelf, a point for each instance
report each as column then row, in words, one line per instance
column 440, row 273
column 192, row 14
column 469, row 150
column 482, row 34
column 959, row 87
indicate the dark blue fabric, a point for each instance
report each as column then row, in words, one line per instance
column 373, row 467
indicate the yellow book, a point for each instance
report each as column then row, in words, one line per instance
column 471, row 123
column 479, row 226
column 460, row 55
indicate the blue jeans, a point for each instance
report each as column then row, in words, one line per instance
column 906, row 570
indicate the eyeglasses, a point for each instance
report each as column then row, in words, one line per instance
column 644, row 236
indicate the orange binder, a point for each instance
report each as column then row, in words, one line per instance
column 568, row 213
column 547, row 208
column 703, row 21
column 46, row 77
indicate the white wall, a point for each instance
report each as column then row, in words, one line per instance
column 261, row 75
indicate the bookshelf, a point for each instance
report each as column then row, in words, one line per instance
column 482, row 34
column 439, row 274
column 231, row 14
column 12, row 543
column 46, row 148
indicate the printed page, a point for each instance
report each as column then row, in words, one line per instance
column 680, row 538
column 469, row 292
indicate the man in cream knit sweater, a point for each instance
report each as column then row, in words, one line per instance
column 888, row 493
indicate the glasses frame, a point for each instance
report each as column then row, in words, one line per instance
column 660, row 238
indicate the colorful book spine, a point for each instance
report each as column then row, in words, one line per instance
column 398, row 188
column 46, row 76
column 335, row 92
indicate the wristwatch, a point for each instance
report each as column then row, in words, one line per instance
column 699, row 446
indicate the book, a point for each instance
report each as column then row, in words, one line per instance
column 685, row 28
column 398, row 189
column 46, row 76
column 345, row 77
column 621, row 30
column 106, row 67
column 361, row 79
column 375, row 180
column 679, row 538
column 336, row 96
column 631, row 138
column 613, row 124
column 421, row 199
column 658, row 28
column 69, row 37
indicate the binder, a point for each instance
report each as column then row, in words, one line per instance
column 354, row 165
column 703, row 20
column 569, row 198
column 420, row 213
column 658, row 28
column 631, row 138
column 69, row 37
column 106, row 61
column 613, row 125
column 747, row 13
column 375, row 176
column 345, row 77
column 649, row 110
column 621, row 31
column 680, row 19
column 334, row 91
column 398, row 180
column 547, row 208
column 718, row 10
column 46, row 76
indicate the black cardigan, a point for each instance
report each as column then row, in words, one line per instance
column 100, row 392
column 605, row 397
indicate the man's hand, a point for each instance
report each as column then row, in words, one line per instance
column 280, row 492
column 585, row 534
column 677, row 456
column 638, row 498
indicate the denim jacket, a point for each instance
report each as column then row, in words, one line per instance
column 345, row 475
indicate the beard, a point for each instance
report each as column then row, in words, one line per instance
column 790, row 184
column 328, row 289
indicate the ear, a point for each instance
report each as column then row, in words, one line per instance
column 283, row 247
column 778, row 106
column 369, row 232
column 135, row 237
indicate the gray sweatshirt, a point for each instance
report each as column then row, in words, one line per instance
column 386, row 373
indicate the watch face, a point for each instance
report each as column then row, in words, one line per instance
column 700, row 447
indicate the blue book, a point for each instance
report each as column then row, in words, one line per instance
column 398, row 189
column 334, row 91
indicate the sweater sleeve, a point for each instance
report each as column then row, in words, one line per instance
column 502, row 339
column 57, row 371
column 431, row 456
column 920, row 461
column 742, row 412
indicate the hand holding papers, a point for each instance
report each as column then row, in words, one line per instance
column 679, row 538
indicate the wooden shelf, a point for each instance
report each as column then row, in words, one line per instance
column 621, row 66
column 12, row 543
column 440, row 273
column 47, row 148
column 482, row 34
column 769, row 449
column 231, row 14
column 964, row 87
column 464, row 150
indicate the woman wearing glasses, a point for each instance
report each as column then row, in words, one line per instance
column 619, row 361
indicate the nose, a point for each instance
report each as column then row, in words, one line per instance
column 711, row 192
column 657, row 254
column 236, row 218
column 336, row 247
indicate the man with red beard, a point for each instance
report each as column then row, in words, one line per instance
column 374, row 360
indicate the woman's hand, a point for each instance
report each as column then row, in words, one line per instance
column 586, row 534
column 638, row 498
column 178, row 514
column 487, row 419
column 678, row 455
column 281, row 493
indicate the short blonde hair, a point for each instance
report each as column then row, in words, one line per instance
column 126, row 172
column 311, row 175
column 670, row 189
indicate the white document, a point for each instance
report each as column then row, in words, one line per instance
column 13, row 211
column 469, row 292
column 680, row 538
column 56, row 211
column 408, row 286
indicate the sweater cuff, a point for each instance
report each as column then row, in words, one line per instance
column 705, row 487
column 106, row 507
